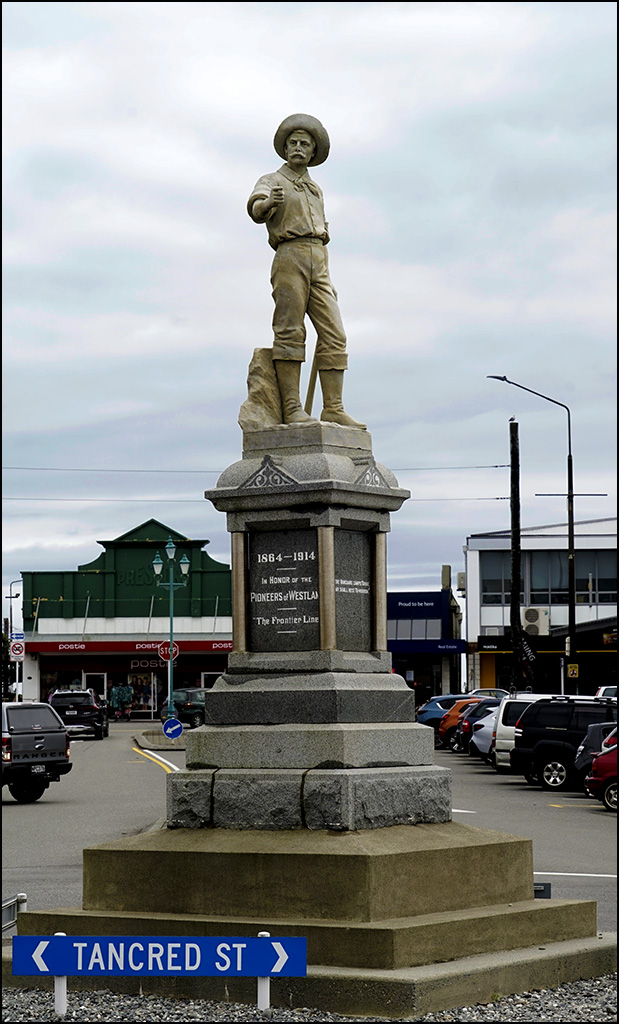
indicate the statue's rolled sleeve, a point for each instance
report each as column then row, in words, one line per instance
column 262, row 190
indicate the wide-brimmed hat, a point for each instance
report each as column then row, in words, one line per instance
column 307, row 123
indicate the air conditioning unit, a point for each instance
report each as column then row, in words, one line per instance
column 536, row 621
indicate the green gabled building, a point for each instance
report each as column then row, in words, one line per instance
column 103, row 622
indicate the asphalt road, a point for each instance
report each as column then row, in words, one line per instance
column 574, row 837
column 112, row 791
column 116, row 790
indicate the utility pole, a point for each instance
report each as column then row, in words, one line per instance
column 516, row 572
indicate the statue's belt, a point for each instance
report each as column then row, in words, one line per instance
column 302, row 238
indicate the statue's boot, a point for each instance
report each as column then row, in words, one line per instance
column 332, row 382
column 288, row 377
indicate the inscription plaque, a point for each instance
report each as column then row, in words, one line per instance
column 283, row 609
column 353, row 590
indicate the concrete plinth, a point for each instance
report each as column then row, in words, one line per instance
column 378, row 874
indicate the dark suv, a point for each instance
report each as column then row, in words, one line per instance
column 548, row 734
column 188, row 706
column 35, row 749
column 82, row 711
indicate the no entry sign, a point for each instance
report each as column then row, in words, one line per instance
column 17, row 650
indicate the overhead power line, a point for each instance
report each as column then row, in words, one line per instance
column 78, row 469
column 167, row 501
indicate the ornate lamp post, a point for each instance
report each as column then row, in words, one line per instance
column 171, row 586
column 12, row 597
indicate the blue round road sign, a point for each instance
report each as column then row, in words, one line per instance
column 172, row 728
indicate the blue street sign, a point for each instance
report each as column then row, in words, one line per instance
column 159, row 956
column 17, row 636
column 172, row 728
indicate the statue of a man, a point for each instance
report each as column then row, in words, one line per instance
column 291, row 205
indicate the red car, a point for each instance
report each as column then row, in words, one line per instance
column 601, row 782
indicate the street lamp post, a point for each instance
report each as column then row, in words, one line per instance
column 570, row 644
column 12, row 597
column 171, row 586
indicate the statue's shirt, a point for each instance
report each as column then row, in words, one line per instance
column 301, row 215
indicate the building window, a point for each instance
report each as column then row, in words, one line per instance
column 496, row 576
column 545, row 575
column 414, row 629
column 607, row 577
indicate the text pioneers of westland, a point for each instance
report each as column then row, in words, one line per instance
column 283, row 591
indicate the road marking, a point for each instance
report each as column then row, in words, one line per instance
column 570, row 874
column 161, row 761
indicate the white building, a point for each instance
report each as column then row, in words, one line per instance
column 544, row 604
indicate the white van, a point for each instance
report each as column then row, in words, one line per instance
column 510, row 710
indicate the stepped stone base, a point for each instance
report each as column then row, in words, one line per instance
column 389, row 945
column 387, row 913
column 400, row 994
column 346, row 799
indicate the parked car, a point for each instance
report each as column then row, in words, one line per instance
column 548, row 734
column 433, row 710
column 188, row 706
column 606, row 691
column 449, row 722
column 468, row 717
column 601, row 782
column 481, row 743
column 486, row 691
column 35, row 749
column 592, row 744
column 82, row 711
column 510, row 710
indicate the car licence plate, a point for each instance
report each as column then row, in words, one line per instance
column 37, row 769
column 71, row 712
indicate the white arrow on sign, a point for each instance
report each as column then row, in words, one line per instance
column 37, row 956
column 282, row 956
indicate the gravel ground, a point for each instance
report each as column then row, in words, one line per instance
column 594, row 1000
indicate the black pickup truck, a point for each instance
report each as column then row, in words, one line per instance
column 35, row 749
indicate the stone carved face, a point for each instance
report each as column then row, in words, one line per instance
column 300, row 148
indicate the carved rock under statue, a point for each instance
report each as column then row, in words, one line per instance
column 310, row 804
column 263, row 406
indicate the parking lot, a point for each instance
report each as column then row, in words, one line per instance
column 574, row 837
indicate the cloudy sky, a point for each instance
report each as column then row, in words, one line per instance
column 470, row 191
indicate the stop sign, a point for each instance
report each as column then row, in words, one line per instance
column 164, row 650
